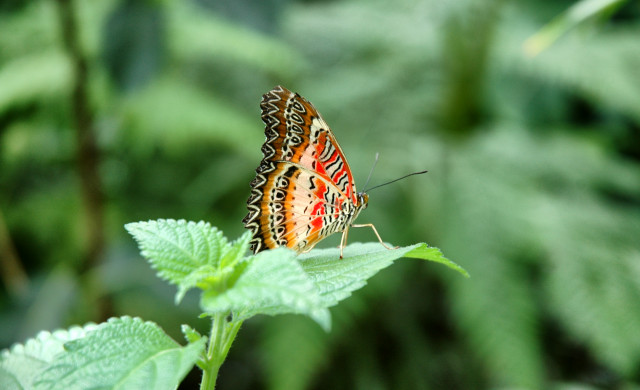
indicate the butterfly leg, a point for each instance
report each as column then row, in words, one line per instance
column 376, row 232
column 308, row 248
column 343, row 240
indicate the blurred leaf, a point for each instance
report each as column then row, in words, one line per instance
column 20, row 365
column 196, row 34
column 28, row 31
column 32, row 78
column 134, row 42
column 125, row 353
column 540, row 204
column 293, row 351
column 575, row 15
column 576, row 386
column 337, row 278
column 46, row 220
column 536, row 200
column 33, row 141
column 592, row 282
column 609, row 82
column 176, row 115
column 55, row 299
column 262, row 15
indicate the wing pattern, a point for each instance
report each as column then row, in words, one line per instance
column 303, row 190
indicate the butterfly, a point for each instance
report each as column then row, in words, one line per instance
column 303, row 190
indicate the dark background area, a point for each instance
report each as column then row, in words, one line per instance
column 117, row 111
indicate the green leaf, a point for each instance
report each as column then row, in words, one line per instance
column 20, row 364
column 154, row 113
column 571, row 18
column 123, row 353
column 190, row 334
column 336, row 278
column 193, row 336
column 426, row 252
column 273, row 283
column 184, row 253
column 293, row 368
column 193, row 33
column 235, row 252
column 32, row 78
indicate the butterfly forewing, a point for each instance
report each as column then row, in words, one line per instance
column 303, row 190
column 296, row 132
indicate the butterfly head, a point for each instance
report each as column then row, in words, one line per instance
column 362, row 200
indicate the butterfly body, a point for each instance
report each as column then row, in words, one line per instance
column 303, row 190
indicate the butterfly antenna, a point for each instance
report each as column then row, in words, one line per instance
column 400, row 178
column 371, row 171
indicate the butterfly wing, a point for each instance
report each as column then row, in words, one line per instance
column 296, row 132
column 297, row 209
column 304, row 186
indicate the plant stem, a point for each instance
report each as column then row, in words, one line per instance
column 87, row 154
column 222, row 335
column 13, row 273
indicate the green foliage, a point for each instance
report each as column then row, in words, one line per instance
column 151, row 112
column 532, row 185
column 197, row 255
column 20, row 365
column 578, row 13
column 337, row 278
column 33, row 78
column 190, row 255
column 198, row 34
column 609, row 80
column 565, row 224
column 489, row 198
column 293, row 351
column 273, row 283
column 129, row 353
column 123, row 353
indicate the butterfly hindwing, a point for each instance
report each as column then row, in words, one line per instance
column 298, row 208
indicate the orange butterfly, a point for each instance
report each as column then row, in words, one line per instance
column 304, row 190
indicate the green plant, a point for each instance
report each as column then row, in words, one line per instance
column 128, row 353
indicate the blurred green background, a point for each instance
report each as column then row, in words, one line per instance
column 114, row 111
